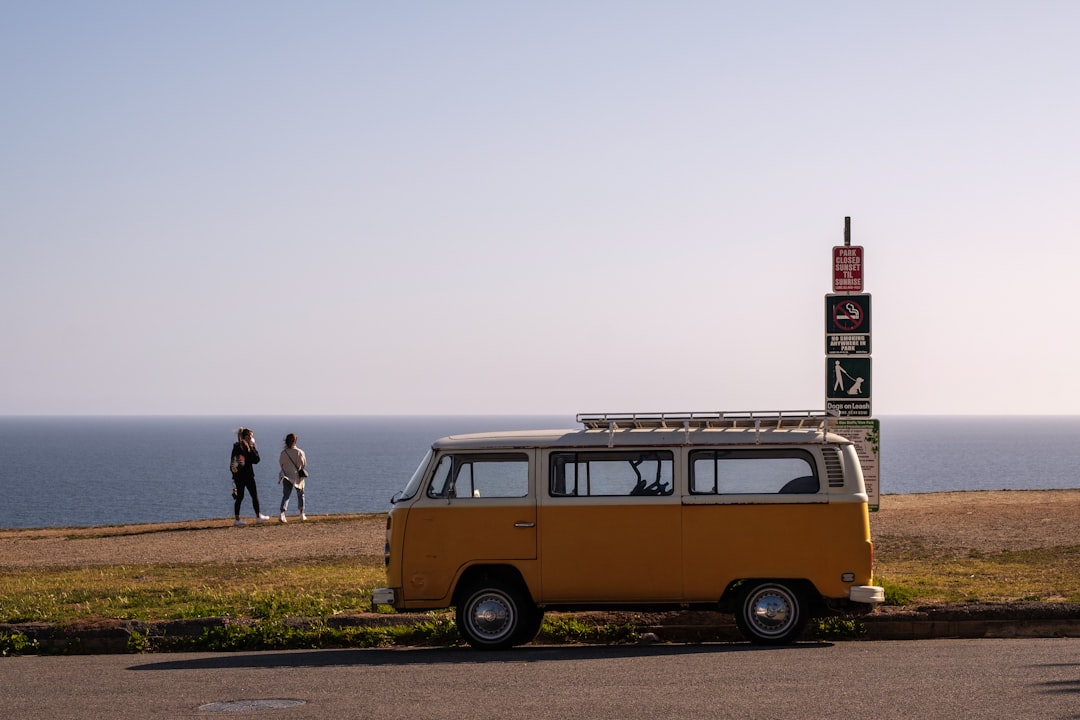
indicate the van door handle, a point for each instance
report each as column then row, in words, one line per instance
column 524, row 524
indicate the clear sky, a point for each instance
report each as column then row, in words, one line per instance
column 261, row 207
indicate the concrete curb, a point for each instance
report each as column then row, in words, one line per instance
column 1005, row 620
column 1011, row 620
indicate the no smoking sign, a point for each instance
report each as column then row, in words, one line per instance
column 847, row 324
column 848, row 315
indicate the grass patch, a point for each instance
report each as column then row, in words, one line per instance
column 895, row 594
column 174, row 592
column 835, row 628
column 343, row 586
column 1045, row 574
column 289, row 605
column 283, row 635
column 572, row 630
column 16, row 644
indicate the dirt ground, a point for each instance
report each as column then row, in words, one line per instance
column 955, row 524
column 196, row 542
column 934, row 524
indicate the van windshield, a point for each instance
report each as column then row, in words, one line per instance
column 414, row 482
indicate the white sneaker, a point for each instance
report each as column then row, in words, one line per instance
column 261, row 518
column 281, row 518
column 239, row 523
column 303, row 517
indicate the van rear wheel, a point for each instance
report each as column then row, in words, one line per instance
column 770, row 613
column 494, row 615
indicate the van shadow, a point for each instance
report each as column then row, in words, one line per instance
column 353, row 657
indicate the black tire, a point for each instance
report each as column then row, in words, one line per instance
column 533, row 618
column 494, row 615
column 770, row 613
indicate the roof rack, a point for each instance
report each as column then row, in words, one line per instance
column 725, row 420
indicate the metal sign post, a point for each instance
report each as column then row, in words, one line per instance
column 847, row 359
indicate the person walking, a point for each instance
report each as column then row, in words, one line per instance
column 293, row 464
column 242, row 462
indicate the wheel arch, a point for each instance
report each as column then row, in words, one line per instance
column 729, row 601
column 474, row 574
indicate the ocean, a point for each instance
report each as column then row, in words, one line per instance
column 86, row 471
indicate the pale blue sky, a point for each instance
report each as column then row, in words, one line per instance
column 262, row 207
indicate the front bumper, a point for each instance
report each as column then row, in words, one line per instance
column 867, row 594
column 382, row 596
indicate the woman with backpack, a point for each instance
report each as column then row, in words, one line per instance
column 242, row 465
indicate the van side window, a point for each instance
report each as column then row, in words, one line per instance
column 490, row 475
column 722, row 472
column 600, row 473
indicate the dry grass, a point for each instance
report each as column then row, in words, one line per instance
column 167, row 592
column 943, row 547
column 1041, row 575
column 985, row 546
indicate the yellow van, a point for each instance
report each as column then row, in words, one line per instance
column 760, row 514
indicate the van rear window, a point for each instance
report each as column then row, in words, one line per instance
column 614, row 473
column 746, row 472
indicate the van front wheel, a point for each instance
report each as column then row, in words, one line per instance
column 770, row 614
column 491, row 615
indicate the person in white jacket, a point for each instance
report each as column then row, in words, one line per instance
column 293, row 464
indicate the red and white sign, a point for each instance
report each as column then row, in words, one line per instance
column 847, row 274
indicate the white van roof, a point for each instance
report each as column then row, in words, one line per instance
column 798, row 427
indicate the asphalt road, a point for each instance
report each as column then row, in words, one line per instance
column 1036, row 678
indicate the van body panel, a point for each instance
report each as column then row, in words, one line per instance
column 598, row 549
column 724, row 543
column 443, row 537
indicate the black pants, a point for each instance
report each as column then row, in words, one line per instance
column 243, row 484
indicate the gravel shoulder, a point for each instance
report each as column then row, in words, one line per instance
column 950, row 524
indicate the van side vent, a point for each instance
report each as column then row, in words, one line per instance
column 833, row 467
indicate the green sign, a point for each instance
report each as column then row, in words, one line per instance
column 847, row 378
column 866, row 435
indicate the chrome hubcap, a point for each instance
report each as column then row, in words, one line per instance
column 771, row 612
column 491, row 616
